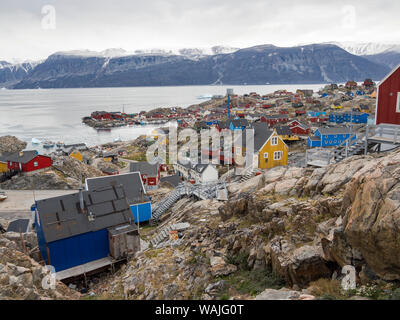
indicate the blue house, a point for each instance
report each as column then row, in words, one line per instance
column 346, row 117
column 330, row 137
column 340, row 117
column 315, row 114
column 238, row 124
column 360, row 117
column 134, row 189
column 76, row 229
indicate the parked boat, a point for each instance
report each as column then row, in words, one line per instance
column 36, row 141
column 3, row 196
column 48, row 144
column 118, row 139
column 60, row 144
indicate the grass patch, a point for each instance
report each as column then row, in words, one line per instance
column 326, row 289
column 247, row 281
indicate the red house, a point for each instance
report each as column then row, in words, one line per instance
column 388, row 99
column 27, row 161
column 274, row 119
column 299, row 128
column 150, row 173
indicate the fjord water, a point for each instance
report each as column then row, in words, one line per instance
column 55, row 114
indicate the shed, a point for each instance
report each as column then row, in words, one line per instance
column 150, row 173
column 73, row 229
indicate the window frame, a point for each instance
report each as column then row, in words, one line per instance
column 280, row 153
column 266, row 157
column 273, row 139
column 398, row 102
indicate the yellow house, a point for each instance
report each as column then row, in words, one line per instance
column 269, row 148
column 273, row 153
column 3, row 166
column 76, row 155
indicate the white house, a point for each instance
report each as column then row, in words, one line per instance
column 201, row 173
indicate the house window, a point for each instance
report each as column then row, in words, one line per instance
column 266, row 155
column 277, row 155
column 274, row 141
column 35, row 164
column 398, row 102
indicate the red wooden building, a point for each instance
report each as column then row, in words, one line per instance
column 388, row 99
column 150, row 173
column 299, row 128
column 27, row 161
column 274, row 119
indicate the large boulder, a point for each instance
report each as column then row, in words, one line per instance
column 298, row 266
column 372, row 224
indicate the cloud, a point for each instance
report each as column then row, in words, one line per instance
column 133, row 24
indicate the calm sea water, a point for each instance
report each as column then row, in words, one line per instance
column 55, row 114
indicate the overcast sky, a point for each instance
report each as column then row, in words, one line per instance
column 27, row 33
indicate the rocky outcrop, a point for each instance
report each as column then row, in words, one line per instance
column 49, row 180
column 372, row 223
column 21, row 277
column 11, row 144
column 65, row 174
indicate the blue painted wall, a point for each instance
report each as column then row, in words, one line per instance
column 333, row 139
column 78, row 250
column 144, row 210
column 348, row 117
column 313, row 143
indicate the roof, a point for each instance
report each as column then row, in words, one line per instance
column 240, row 122
column 61, row 217
column 199, row 167
column 336, row 130
column 144, row 168
column 131, row 183
column 172, row 180
column 283, row 130
column 223, row 124
column 261, row 134
column 20, row 225
column 276, row 116
column 315, row 138
column 21, row 157
column 389, row 75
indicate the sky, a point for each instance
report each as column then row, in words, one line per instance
column 34, row 29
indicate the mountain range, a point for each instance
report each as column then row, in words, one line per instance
column 315, row 63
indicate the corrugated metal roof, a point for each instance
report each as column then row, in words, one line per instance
column 61, row 217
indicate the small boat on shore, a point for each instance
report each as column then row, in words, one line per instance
column 60, row 144
column 48, row 144
column 3, row 196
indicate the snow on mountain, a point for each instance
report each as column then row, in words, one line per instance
column 118, row 52
column 367, row 48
